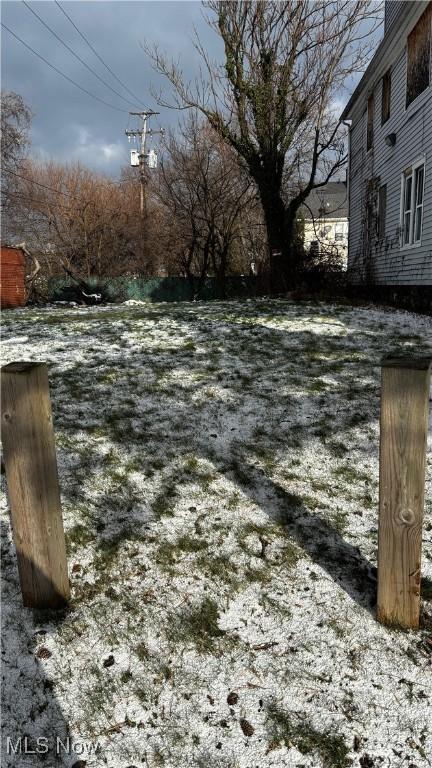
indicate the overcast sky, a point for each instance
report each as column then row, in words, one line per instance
column 68, row 124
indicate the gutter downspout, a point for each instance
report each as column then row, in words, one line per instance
column 348, row 124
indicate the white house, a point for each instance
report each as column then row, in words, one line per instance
column 390, row 155
column 325, row 216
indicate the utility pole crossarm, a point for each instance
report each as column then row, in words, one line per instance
column 142, row 134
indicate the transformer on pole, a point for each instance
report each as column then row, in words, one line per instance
column 140, row 158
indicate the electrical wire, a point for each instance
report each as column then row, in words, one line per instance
column 59, row 72
column 116, row 182
column 38, row 183
column 52, row 189
column 68, row 48
column 27, row 199
column 98, row 56
column 30, row 201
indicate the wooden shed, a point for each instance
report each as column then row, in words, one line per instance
column 12, row 278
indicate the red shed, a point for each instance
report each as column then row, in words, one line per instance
column 12, row 277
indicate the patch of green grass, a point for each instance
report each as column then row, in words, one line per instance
column 290, row 555
column 318, row 386
column 350, row 474
column 142, row 652
column 267, row 457
column 221, row 569
column 233, row 501
column 198, row 626
column 319, row 485
column 336, row 626
column 78, row 536
column 191, row 464
column 165, row 555
column 330, row 747
column 163, row 504
column 337, row 448
column 108, row 550
column 190, row 544
column 260, row 575
column 339, row 521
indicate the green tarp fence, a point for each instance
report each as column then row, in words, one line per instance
column 118, row 289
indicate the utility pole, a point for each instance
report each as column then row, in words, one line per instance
column 142, row 134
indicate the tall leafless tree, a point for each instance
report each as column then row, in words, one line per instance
column 15, row 125
column 207, row 193
column 285, row 64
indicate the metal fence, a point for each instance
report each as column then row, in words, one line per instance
column 118, row 289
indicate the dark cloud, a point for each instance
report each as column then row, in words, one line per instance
column 69, row 125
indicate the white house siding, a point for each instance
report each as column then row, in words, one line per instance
column 390, row 264
column 392, row 9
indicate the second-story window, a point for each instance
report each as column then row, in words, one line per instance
column 385, row 102
column 419, row 56
column 370, row 122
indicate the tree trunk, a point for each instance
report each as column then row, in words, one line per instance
column 274, row 214
column 291, row 248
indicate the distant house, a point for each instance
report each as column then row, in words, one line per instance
column 390, row 155
column 325, row 215
column 12, row 277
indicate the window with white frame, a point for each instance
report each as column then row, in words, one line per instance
column 412, row 204
column 339, row 232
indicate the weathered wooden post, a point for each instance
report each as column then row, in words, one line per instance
column 33, row 488
column 405, row 387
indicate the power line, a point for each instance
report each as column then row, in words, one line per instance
column 30, row 201
column 52, row 189
column 34, row 201
column 114, row 182
column 59, row 72
column 68, row 48
column 97, row 55
column 38, row 183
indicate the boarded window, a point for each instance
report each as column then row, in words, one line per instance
column 382, row 210
column 419, row 56
column 370, row 119
column 385, row 103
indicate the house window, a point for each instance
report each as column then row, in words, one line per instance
column 419, row 56
column 412, row 204
column 382, row 209
column 385, row 102
column 370, row 118
column 324, row 231
column 339, row 232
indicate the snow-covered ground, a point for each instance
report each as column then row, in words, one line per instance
column 219, row 474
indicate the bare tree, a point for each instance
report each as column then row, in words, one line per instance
column 273, row 98
column 207, row 192
column 71, row 216
column 15, row 125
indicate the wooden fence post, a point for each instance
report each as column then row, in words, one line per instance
column 405, row 387
column 33, row 488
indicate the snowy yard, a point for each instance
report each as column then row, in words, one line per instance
column 219, row 473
